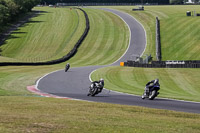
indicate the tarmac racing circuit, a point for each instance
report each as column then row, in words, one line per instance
column 75, row 83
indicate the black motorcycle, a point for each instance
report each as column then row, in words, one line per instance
column 153, row 92
column 94, row 89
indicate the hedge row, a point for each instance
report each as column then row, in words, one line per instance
column 60, row 60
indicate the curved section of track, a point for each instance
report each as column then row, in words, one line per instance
column 75, row 83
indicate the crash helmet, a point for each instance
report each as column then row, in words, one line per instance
column 101, row 80
column 156, row 81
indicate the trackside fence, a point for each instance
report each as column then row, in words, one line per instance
column 165, row 64
column 60, row 60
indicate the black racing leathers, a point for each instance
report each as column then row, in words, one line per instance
column 150, row 84
column 99, row 85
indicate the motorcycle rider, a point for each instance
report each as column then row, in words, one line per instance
column 67, row 67
column 99, row 84
column 150, row 84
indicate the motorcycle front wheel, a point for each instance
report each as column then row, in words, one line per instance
column 93, row 91
column 153, row 95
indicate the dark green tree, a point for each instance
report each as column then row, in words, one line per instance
column 176, row 1
column 12, row 8
column 9, row 9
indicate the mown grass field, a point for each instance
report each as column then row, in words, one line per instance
column 175, row 83
column 179, row 34
column 49, row 35
column 52, row 35
column 22, row 111
column 107, row 40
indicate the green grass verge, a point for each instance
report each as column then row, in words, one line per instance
column 14, row 80
column 34, row 114
column 175, row 83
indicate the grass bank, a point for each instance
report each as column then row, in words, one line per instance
column 107, row 39
column 49, row 35
column 175, row 83
column 37, row 114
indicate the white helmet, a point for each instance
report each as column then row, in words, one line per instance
column 156, row 81
column 102, row 80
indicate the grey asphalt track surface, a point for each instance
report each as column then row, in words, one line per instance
column 75, row 83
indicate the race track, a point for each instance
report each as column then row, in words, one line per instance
column 75, row 83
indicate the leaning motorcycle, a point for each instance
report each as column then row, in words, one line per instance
column 94, row 89
column 153, row 92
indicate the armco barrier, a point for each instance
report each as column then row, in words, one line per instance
column 165, row 64
column 158, row 43
column 60, row 60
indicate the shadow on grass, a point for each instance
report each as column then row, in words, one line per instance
column 5, row 41
column 34, row 21
column 14, row 28
column 16, row 32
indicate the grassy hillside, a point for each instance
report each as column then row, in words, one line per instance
column 49, row 35
column 107, row 40
column 54, row 32
column 179, row 33
column 103, row 45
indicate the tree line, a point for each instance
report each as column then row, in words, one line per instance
column 10, row 9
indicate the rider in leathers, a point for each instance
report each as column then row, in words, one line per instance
column 99, row 84
column 150, row 84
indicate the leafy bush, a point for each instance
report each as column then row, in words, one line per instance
column 9, row 9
